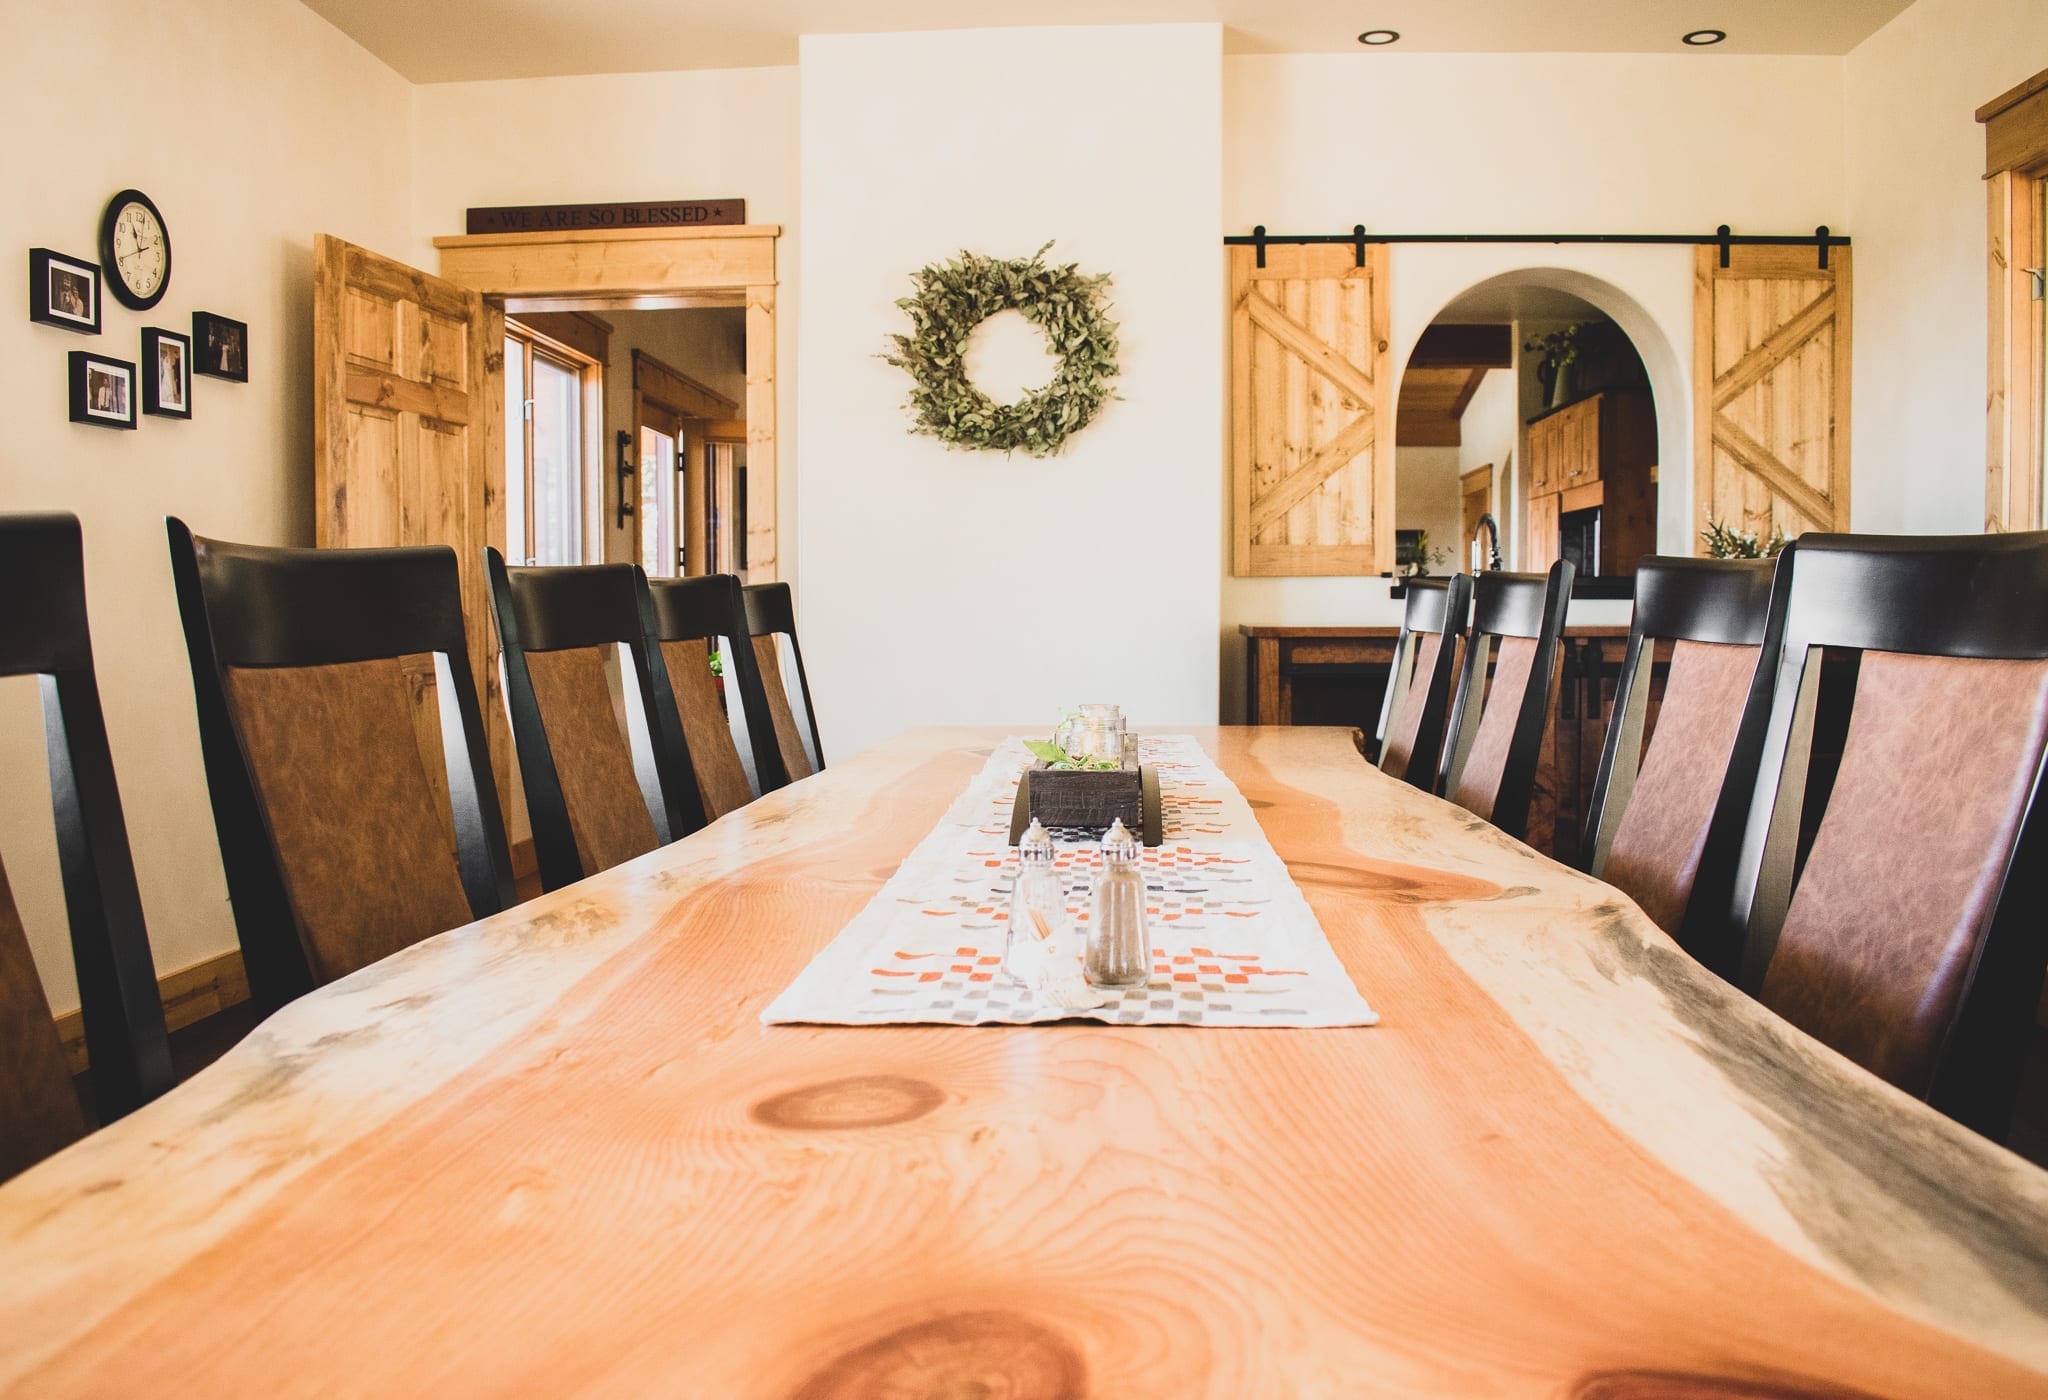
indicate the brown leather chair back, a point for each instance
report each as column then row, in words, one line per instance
column 44, row 633
column 1496, row 741
column 695, row 619
column 1651, row 807
column 1419, row 682
column 606, row 772
column 355, row 817
column 771, row 615
column 1910, row 937
column 39, row 1110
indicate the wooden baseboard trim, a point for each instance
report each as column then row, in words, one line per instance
column 189, row 994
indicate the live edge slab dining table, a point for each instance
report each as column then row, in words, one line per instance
column 556, row 1152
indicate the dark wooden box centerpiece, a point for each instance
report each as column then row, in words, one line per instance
column 1092, row 800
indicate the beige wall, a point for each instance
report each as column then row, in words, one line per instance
column 1916, row 209
column 253, row 124
column 942, row 587
column 1426, row 497
column 711, row 134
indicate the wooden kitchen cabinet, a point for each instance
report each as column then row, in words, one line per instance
column 1600, row 451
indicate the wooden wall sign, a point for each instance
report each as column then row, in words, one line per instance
column 553, row 218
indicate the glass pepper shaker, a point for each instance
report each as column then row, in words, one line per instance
column 1119, row 944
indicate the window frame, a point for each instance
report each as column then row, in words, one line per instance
column 590, row 450
column 2016, row 182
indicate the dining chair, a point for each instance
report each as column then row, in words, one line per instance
column 1650, row 808
column 771, row 615
column 1496, row 734
column 606, row 779
column 732, row 746
column 1909, row 938
column 44, row 633
column 1411, row 727
column 312, row 670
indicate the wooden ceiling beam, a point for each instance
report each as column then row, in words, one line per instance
column 1464, row 347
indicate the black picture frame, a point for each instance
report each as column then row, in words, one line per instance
column 220, row 347
column 57, row 283
column 102, row 390
column 166, row 362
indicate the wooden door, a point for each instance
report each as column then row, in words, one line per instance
column 1475, row 494
column 409, row 437
column 1312, row 412
column 1771, row 390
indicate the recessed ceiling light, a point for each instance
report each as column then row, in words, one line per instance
column 1700, row 38
column 1376, row 37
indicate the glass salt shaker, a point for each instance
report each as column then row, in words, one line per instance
column 1119, row 944
column 1041, row 951
column 1038, row 906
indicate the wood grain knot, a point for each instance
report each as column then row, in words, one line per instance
column 1390, row 883
column 1671, row 1385
column 968, row 1356
column 861, row 1101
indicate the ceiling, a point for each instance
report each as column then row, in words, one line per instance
column 464, row 40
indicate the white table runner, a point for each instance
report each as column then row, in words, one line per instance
column 1233, row 941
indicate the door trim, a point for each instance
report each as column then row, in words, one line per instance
column 607, row 264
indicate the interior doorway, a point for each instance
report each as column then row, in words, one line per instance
column 1528, row 408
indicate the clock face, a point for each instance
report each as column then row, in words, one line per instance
column 135, row 250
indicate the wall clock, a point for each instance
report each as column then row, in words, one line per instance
column 135, row 250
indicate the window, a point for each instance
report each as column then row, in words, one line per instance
column 552, row 427
column 659, row 464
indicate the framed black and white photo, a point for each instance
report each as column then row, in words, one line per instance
column 222, row 346
column 166, row 373
column 102, row 390
column 63, row 291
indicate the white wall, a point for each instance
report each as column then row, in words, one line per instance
column 1426, row 497
column 719, row 133
column 1511, row 143
column 1915, row 162
column 950, row 586
column 1488, row 435
column 220, row 116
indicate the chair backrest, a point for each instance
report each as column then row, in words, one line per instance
column 771, row 614
column 1910, row 938
column 310, row 668
column 1648, row 816
column 605, row 781
column 732, row 746
column 44, row 633
column 1496, row 736
column 1411, row 725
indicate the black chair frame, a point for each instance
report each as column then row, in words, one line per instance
column 1439, row 605
column 1678, row 599
column 566, row 608
column 1964, row 596
column 707, row 608
column 42, row 575
column 261, row 606
column 1509, row 605
column 770, row 609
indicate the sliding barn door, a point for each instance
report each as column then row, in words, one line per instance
column 1771, row 390
column 1312, row 412
column 409, row 437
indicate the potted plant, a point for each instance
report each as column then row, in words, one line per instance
column 1561, row 351
column 1724, row 541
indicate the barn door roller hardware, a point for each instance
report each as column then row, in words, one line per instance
column 1821, row 240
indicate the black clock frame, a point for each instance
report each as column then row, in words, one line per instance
column 112, row 268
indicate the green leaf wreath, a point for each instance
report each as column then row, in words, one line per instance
column 953, row 298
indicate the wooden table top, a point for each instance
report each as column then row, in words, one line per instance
column 556, row 1152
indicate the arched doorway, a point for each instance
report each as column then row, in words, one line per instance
column 1466, row 443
